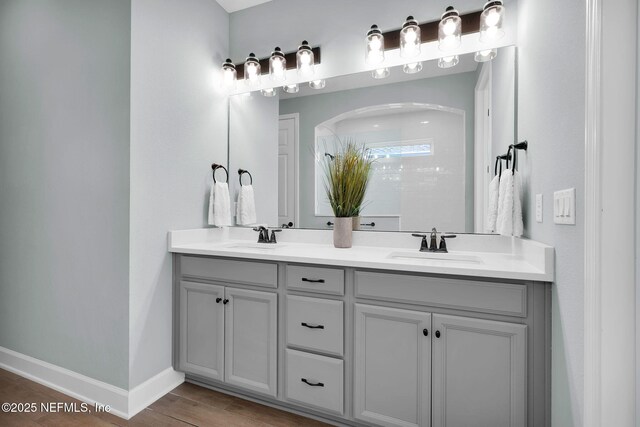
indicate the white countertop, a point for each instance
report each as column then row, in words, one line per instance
column 469, row 255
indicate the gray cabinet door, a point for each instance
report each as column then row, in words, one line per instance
column 202, row 329
column 479, row 371
column 251, row 340
column 392, row 366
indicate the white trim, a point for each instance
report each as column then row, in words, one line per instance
column 482, row 148
column 593, row 216
column 124, row 404
column 65, row 381
column 153, row 389
column 296, row 163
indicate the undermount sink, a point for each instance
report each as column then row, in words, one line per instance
column 260, row 246
column 435, row 256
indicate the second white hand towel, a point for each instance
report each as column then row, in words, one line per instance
column 492, row 214
column 518, row 226
column 504, row 222
column 219, row 205
column 509, row 222
column 246, row 212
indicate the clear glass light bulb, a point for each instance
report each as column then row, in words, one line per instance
column 291, row 88
column 375, row 44
column 380, row 73
column 410, row 36
column 305, row 58
column 449, row 27
column 229, row 77
column 493, row 17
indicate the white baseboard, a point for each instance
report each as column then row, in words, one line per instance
column 123, row 403
column 153, row 389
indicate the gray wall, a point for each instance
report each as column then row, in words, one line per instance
column 551, row 94
column 178, row 128
column 456, row 91
column 64, row 183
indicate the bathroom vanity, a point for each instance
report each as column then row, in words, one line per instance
column 379, row 334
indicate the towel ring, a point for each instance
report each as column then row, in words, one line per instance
column 215, row 167
column 242, row 172
column 506, row 157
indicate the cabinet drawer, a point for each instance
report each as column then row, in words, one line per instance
column 227, row 270
column 490, row 297
column 316, row 324
column 315, row 381
column 316, row 279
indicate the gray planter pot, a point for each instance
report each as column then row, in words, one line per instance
column 342, row 232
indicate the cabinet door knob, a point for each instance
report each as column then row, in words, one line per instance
column 218, row 300
column 306, row 325
column 304, row 279
column 425, row 332
column 304, row 380
column 437, row 334
column 224, row 301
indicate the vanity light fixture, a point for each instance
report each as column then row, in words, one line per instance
column 449, row 30
column 491, row 21
column 375, row 46
column 380, row 73
column 229, row 75
column 318, row 84
column 412, row 68
column 448, row 61
column 485, row 55
column 277, row 65
column 252, row 70
column 291, row 88
column 410, row 38
column 269, row 92
column 304, row 60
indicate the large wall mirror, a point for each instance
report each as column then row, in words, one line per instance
column 434, row 136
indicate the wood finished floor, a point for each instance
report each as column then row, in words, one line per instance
column 186, row 405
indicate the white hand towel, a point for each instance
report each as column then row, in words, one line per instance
column 518, row 226
column 492, row 214
column 246, row 212
column 504, row 222
column 219, row 205
column 509, row 222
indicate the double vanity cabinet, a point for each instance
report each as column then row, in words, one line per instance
column 359, row 346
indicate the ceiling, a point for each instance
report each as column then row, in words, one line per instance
column 235, row 5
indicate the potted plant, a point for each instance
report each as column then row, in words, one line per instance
column 346, row 179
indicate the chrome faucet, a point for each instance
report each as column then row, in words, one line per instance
column 433, row 244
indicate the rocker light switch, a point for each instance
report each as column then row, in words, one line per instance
column 564, row 207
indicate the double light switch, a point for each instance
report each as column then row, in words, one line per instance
column 564, row 206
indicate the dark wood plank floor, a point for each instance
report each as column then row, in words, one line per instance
column 186, row 405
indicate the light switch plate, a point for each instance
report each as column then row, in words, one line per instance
column 538, row 207
column 564, row 207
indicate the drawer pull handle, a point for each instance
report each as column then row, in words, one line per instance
column 225, row 301
column 304, row 279
column 437, row 334
column 425, row 332
column 306, row 325
column 304, row 380
column 218, row 300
